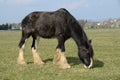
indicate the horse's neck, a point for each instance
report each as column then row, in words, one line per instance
column 80, row 38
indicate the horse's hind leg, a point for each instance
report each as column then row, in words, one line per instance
column 37, row 59
column 21, row 45
column 59, row 57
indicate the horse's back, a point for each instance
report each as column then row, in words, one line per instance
column 49, row 24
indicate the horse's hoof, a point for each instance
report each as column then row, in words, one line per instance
column 65, row 66
column 22, row 63
column 39, row 63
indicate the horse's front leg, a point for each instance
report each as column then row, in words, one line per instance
column 37, row 59
column 59, row 57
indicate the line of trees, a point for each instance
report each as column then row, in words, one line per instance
column 5, row 26
column 12, row 26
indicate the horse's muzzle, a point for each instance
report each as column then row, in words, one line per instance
column 91, row 64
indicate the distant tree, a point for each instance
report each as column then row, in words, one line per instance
column 10, row 26
column 4, row 26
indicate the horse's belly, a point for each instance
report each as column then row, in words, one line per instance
column 47, row 34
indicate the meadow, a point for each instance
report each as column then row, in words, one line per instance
column 106, row 44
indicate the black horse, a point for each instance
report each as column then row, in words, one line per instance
column 59, row 24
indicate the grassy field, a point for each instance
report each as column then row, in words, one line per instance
column 106, row 43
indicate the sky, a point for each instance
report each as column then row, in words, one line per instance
column 13, row 11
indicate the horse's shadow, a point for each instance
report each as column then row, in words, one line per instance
column 75, row 61
column 98, row 64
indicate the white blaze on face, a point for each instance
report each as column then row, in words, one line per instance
column 91, row 64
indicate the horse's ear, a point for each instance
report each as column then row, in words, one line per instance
column 90, row 41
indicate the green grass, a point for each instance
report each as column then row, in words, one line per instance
column 106, row 43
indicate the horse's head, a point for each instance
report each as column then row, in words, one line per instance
column 86, row 55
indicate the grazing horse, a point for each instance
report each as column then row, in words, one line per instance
column 59, row 24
